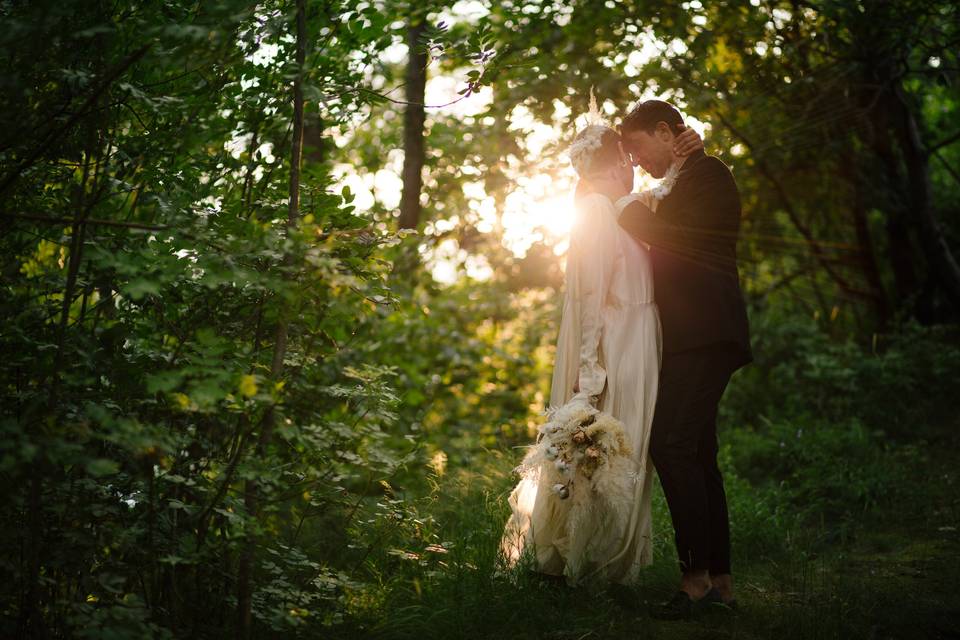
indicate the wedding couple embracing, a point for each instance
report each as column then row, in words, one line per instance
column 653, row 326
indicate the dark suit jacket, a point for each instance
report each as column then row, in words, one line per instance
column 693, row 248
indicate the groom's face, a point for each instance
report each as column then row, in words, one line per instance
column 651, row 151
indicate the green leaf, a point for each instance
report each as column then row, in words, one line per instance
column 102, row 467
column 163, row 381
column 141, row 287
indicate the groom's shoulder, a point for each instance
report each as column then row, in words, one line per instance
column 715, row 165
column 714, row 171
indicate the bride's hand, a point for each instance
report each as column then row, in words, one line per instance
column 687, row 142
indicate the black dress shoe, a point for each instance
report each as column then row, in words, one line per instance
column 676, row 608
column 710, row 597
column 713, row 597
column 731, row 605
column 681, row 606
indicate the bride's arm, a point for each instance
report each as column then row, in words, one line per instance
column 687, row 142
column 592, row 257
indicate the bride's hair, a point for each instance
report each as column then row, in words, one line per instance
column 594, row 150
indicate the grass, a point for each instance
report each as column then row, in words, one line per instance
column 886, row 572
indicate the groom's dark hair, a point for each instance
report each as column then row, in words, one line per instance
column 648, row 113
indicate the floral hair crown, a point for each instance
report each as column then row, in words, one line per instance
column 588, row 141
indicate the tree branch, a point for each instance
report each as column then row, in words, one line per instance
column 943, row 143
column 57, row 133
column 795, row 216
column 950, row 169
column 95, row 221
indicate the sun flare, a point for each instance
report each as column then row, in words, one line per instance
column 537, row 215
column 554, row 214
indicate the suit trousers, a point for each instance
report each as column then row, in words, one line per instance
column 683, row 447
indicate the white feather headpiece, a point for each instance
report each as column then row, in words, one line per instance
column 589, row 140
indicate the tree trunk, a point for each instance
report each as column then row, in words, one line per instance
column 867, row 256
column 251, row 491
column 947, row 271
column 313, row 147
column 900, row 246
column 413, row 119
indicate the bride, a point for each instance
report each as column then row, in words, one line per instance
column 607, row 361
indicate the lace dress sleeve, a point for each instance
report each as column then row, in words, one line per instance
column 593, row 254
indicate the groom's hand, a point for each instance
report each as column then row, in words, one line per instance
column 686, row 142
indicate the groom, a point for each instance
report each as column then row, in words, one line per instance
column 693, row 248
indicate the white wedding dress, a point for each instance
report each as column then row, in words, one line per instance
column 610, row 336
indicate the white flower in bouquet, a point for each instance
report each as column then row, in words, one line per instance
column 580, row 441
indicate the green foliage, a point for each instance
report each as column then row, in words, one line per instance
column 135, row 417
column 832, row 471
column 894, row 383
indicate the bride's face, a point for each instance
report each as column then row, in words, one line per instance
column 652, row 152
